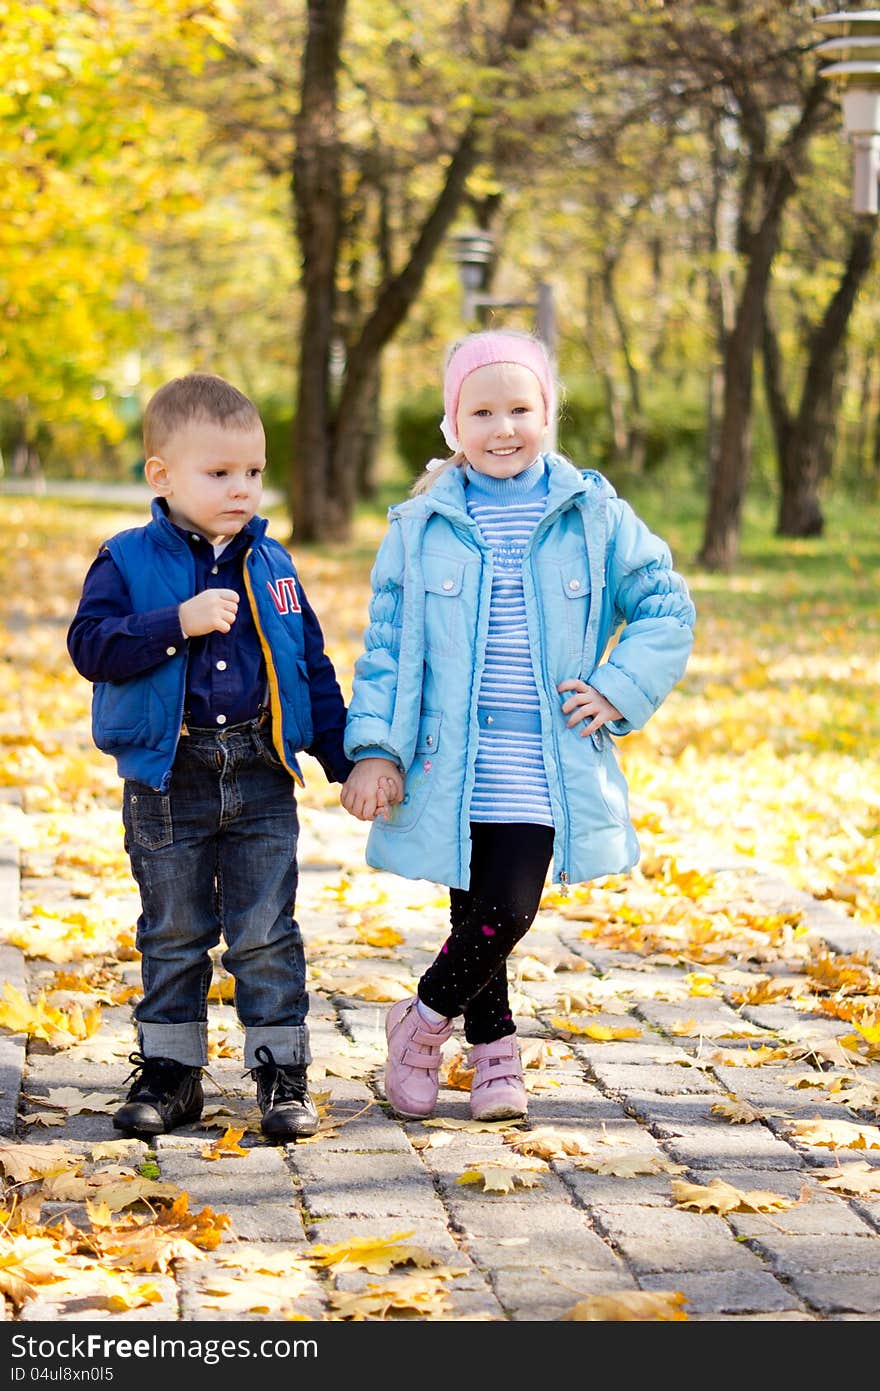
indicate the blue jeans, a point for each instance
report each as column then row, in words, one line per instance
column 216, row 855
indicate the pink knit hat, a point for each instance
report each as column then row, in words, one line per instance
column 483, row 349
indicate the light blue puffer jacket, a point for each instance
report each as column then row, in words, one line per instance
column 590, row 566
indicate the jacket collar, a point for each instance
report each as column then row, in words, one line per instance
column 172, row 537
column 564, row 482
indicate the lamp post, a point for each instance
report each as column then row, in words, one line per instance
column 855, row 49
column 473, row 251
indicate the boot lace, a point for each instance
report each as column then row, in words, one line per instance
column 155, row 1078
column 279, row 1082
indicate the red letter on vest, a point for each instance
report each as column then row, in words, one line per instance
column 284, row 595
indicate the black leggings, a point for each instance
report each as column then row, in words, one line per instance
column 469, row 973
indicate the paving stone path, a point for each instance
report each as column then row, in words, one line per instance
column 530, row 1253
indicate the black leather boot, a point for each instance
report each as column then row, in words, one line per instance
column 289, row 1113
column 164, row 1094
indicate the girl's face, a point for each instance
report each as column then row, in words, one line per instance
column 501, row 419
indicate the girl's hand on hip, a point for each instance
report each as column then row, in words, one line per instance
column 586, row 703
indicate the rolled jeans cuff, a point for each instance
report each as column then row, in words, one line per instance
column 289, row 1045
column 185, row 1043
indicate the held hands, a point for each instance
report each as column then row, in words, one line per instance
column 212, row 611
column 373, row 785
column 587, row 704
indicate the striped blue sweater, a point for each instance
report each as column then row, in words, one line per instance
column 511, row 784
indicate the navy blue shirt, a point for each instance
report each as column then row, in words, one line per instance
column 226, row 675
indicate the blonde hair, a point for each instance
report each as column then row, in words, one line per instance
column 197, row 396
column 435, row 470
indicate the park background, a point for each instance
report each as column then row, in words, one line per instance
column 282, row 193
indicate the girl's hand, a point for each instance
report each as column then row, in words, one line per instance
column 586, row 703
column 365, row 794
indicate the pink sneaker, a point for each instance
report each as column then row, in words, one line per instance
column 413, row 1065
column 497, row 1090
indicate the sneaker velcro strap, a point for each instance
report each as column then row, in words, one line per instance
column 426, row 1039
column 428, row 1062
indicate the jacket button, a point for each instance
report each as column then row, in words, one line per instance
column 490, row 719
column 170, row 651
column 574, row 584
column 429, row 741
column 221, row 719
column 447, row 584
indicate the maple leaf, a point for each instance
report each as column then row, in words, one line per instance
column 23, row 1163
column 825, row 1050
column 631, row 1306
column 115, row 1188
column 227, row 1146
column 75, row 1102
column 713, row 1028
column 376, row 935
column 47, row 1118
column 28, row 1261
column 547, row 1143
column 133, row 1297
column 58, row 1027
column 746, row 1057
column 502, row 1176
column 863, row 1096
column 455, row 1074
column 737, row 1111
column 411, row 1294
column 722, row 1198
column 859, row 1179
column 381, row 989
column 836, row 1134
column 116, row 1149
column 604, row 1033
column 260, row 1293
column 539, row 1052
column 630, row 1164
column 374, row 1254
column 471, row 1126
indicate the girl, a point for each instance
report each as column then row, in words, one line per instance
column 488, row 679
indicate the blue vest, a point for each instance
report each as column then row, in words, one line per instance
column 138, row 721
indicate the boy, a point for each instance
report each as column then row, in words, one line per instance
column 210, row 676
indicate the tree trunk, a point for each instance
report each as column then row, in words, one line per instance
column 635, row 440
column 328, row 452
column 318, row 210
column 730, row 466
column 804, row 462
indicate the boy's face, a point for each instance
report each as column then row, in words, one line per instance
column 211, row 477
column 501, row 419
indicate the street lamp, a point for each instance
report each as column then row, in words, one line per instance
column 856, row 67
column 473, row 251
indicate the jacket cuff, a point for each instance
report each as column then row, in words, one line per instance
column 622, row 691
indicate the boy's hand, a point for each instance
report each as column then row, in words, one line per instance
column 389, row 791
column 587, row 704
column 371, row 786
column 212, row 611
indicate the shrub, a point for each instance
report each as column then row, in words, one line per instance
column 416, row 429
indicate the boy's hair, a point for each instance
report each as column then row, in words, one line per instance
column 197, row 396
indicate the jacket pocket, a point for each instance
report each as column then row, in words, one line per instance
column 575, row 582
column 420, row 776
column 146, row 815
column 610, row 781
column 443, row 579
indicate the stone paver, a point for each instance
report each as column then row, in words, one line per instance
column 622, row 1120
